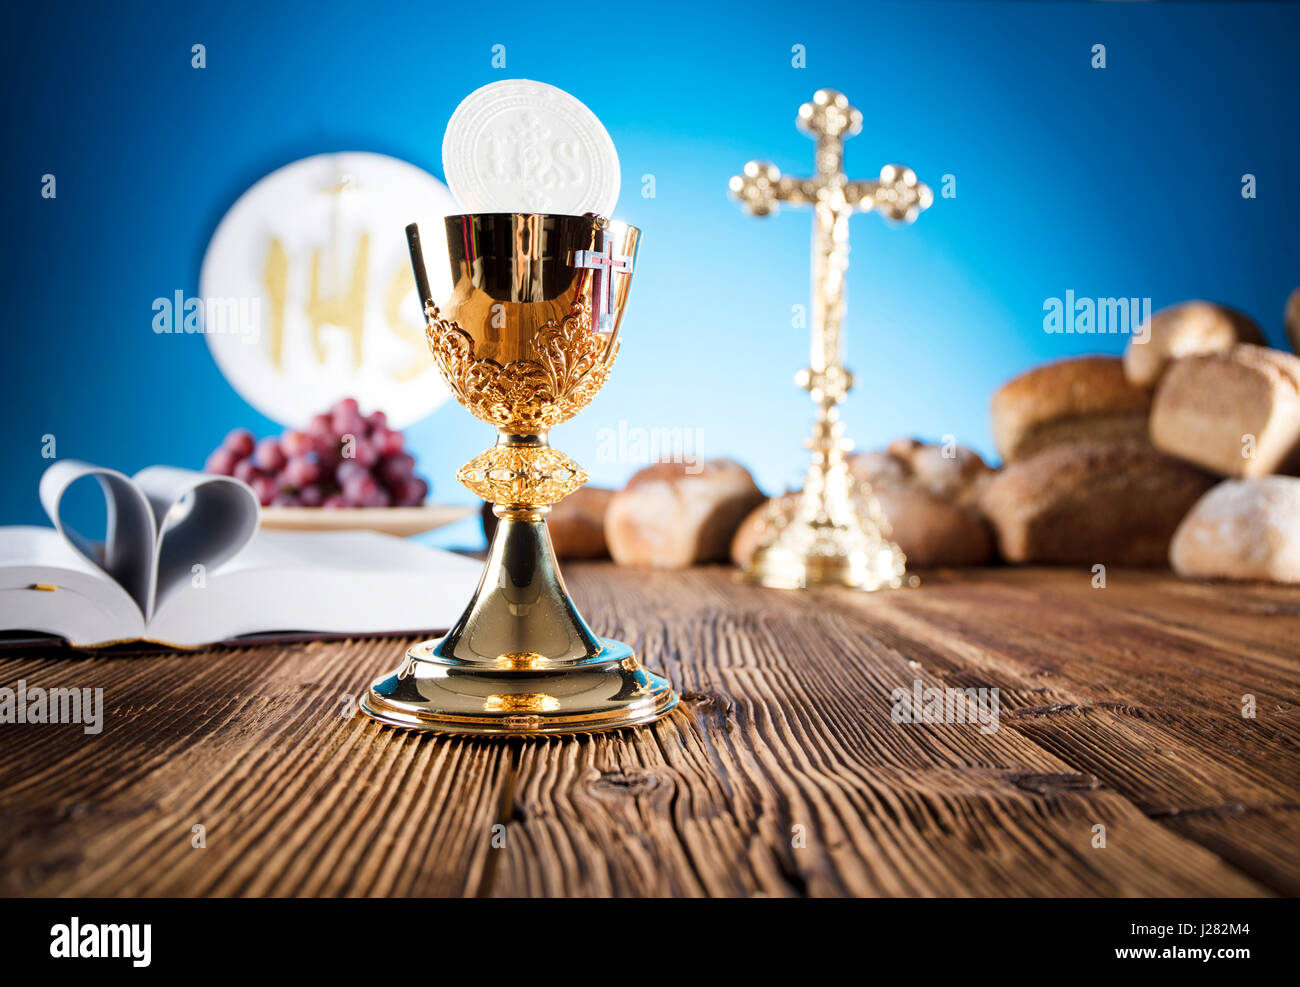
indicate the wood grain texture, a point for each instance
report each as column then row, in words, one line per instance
column 782, row 773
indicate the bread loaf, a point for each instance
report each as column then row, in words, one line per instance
column 934, row 531
column 1235, row 413
column 950, row 472
column 1080, row 399
column 1091, row 502
column 756, row 526
column 1185, row 330
column 669, row 518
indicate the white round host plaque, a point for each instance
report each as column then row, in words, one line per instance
column 307, row 289
column 522, row 146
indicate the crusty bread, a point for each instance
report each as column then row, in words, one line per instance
column 934, row 531
column 1235, row 413
column 949, row 473
column 1079, row 399
column 1182, row 330
column 1242, row 529
column 1091, row 502
column 927, row 494
column 669, row 518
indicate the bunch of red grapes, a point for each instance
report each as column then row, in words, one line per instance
column 342, row 459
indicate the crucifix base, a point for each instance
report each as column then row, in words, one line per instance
column 808, row 548
column 831, row 533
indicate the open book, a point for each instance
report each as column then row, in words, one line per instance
column 183, row 563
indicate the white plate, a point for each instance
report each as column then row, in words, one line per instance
column 343, row 213
column 402, row 521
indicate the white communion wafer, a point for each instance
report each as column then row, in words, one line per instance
column 524, row 146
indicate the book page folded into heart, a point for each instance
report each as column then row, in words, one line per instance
column 183, row 563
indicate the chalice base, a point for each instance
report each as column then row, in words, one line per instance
column 606, row 692
column 521, row 660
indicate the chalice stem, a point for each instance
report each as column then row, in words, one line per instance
column 521, row 614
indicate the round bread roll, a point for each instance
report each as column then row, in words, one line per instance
column 756, row 526
column 1242, row 529
column 670, row 516
column 1185, row 330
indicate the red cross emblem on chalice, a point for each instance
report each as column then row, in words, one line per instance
column 603, row 264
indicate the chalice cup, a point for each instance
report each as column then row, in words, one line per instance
column 524, row 343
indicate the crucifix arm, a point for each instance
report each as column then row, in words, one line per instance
column 898, row 195
column 861, row 195
column 762, row 188
column 797, row 191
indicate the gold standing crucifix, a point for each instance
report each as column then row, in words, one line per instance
column 830, row 532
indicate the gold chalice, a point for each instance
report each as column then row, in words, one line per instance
column 526, row 340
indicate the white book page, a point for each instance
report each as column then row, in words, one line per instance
column 201, row 521
column 85, row 606
column 130, row 534
column 345, row 582
column 161, row 524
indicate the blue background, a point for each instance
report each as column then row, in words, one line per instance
column 1124, row 181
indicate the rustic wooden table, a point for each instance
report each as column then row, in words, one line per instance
column 782, row 773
